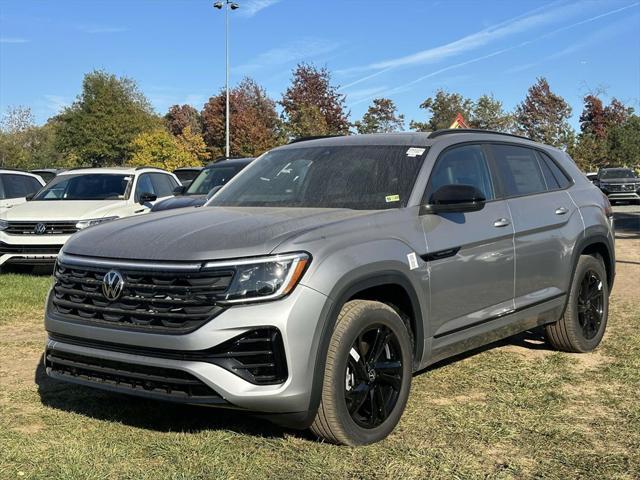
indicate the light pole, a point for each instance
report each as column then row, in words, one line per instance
column 227, row 5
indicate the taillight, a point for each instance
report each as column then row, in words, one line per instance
column 608, row 209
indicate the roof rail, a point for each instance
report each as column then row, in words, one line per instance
column 449, row 131
column 151, row 168
column 11, row 169
column 315, row 137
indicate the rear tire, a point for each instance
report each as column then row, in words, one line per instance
column 367, row 375
column 583, row 324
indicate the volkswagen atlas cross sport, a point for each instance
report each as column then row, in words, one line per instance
column 314, row 284
column 619, row 184
column 32, row 233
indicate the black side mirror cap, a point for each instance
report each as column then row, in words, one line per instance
column 454, row 199
column 147, row 197
column 30, row 197
column 179, row 190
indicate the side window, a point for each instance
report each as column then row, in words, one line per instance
column 466, row 165
column 519, row 169
column 558, row 175
column 17, row 186
column 163, row 184
column 144, row 186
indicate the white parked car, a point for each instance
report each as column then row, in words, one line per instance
column 15, row 186
column 34, row 232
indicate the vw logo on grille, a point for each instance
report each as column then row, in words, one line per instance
column 40, row 229
column 112, row 285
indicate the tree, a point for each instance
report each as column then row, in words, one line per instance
column 99, row 127
column 543, row 116
column 311, row 96
column 160, row 149
column 488, row 114
column 442, row 110
column 180, row 117
column 624, row 142
column 381, row 117
column 593, row 118
column 193, row 143
column 255, row 126
column 16, row 120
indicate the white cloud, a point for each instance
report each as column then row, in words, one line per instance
column 56, row 103
column 251, row 7
column 298, row 50
column 13, row 40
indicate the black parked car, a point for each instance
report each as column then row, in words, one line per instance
column 619, row 184
column 47, row 174
column 213, row 176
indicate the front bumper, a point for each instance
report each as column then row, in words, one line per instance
column 30, row 249
column 296, row 318
column 622, row 196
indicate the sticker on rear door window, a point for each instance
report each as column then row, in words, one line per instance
column 392, row 198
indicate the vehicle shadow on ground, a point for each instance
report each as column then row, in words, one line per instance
column 627, row 224
column 152, row 415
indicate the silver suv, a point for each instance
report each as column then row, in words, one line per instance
column 315, row 283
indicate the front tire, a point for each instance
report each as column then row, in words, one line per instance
column 583, row 324
column 367, row 375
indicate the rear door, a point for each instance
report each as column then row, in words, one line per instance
column 470, row 255
column 545, row 221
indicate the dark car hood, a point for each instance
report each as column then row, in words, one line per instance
column 180, row 202
column 206, row 233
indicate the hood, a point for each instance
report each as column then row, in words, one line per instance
column 60, row 210
column 199, row 234
column 180, row 202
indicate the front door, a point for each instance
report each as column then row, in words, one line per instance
column 470, row 255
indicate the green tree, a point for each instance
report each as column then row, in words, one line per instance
column 442, row 110
column 624, row 142
column 255, row 126
column 543, row 116
column 193, row 143
column 310, row 96
column 99, row 127
column 158, row 148
column 489, row 114
column 381, row 117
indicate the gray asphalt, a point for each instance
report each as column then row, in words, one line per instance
column 627, row 219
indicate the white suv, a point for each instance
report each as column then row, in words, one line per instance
column 15, row 185
column 34, row 232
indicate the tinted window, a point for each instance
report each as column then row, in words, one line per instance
column 548, row 165
column 212, row 177
column 90, row 186
column 18, row 186
column 617, row 173
column 520, row 170
column 356, row 177
column 186, row 175
column 163, row 184
column 144, row 186
column 465, row 165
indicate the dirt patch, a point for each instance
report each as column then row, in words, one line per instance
column 475, row 397
column 627, row 284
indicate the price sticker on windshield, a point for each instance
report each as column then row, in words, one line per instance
column 415, row 152
column 392, row 198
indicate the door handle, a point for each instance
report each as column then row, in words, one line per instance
column 561, row 210
column 501, row 222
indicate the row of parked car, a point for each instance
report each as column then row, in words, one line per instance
column 41, row 209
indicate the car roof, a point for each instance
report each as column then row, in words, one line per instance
column 188, row 169
column 232, row 161
column 15, row 171
column 408, row 139
column 112, row 170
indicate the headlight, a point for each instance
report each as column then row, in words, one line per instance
column 4, row 225
column 263, row 278
column 82, row 224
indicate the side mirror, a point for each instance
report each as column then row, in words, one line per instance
column 213, row 191
column 30, row 197
column 179, row 190
column 147, row 197
column 454, row 199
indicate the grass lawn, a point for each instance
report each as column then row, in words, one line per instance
column 513, row 410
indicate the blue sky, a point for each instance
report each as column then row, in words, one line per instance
column 402, row 49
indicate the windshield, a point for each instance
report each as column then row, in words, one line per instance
column 212, row 177
column 356, row 177
column 91, row 186
column 617, row 173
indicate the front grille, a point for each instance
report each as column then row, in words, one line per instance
column 41, row 228
column 621, row 187
column 164, row 383
column 6, row 249
column 257, row 356
column 154, row 301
